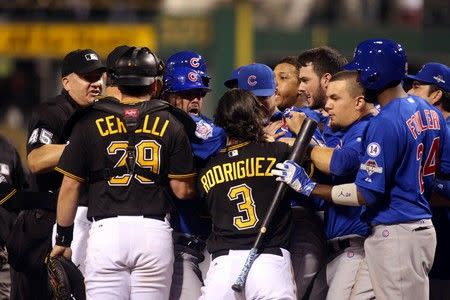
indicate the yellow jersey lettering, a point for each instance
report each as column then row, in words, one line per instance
column 155, row 124
column 259, row 166
column 99, row 127
column 240, row 169
column 218, row 175
column 228, row 172
column 110, row 124
column 272, row 161
column 163, row 130
column 204, row 182
column 250, row 167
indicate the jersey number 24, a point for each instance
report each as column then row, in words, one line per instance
column 431, row 162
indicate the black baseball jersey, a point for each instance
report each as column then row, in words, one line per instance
column 238, row 188
column 47, row 126
column 11, row 171
column 99, row 140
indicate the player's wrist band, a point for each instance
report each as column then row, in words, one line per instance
column 64, row 235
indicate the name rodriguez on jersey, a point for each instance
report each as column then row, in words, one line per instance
column 249, row 167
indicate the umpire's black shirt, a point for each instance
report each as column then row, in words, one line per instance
column 47, row 126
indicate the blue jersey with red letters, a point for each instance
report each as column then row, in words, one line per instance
column 404, row 143
column 341, row 220
column 441, row 222
column 209, row 139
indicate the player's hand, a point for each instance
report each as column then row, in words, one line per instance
column 294, row 120
column 270, row 131
column 60, row 250
column 295, row 176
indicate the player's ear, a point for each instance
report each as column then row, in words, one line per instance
column 66, row 82
column 436, row 96
column 325, row 79
column 360, row 102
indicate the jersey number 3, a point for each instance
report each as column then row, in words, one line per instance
column 147, row 157
column 247, row 206
column 431, row 162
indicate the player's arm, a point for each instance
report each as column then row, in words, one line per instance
column 183, row 188
column 66, row 210
column 296, row 177
column 45, row 157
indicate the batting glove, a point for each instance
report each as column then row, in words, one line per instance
column 295, row 176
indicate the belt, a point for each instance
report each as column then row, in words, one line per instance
column 341, row 244
column 156, row 217
column 190, row 241
column 272, row 250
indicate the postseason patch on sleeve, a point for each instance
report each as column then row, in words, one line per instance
column 371, row 167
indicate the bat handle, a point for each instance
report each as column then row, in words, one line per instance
column 239, row 284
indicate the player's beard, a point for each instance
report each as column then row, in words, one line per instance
column 318, row 99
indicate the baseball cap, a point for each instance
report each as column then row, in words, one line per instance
column 233, row 80
column 257, row 79
column 434, row 73
column 81, row 61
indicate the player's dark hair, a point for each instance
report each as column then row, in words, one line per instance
column 292, row 60
column 445, row 99
column 324, row 60
column 134, row 91
column 353, row 83
column 238, row 113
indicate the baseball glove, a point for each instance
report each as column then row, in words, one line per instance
column 65, row 279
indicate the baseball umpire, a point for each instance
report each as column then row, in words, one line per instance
column 82, row 72
column 130, row 152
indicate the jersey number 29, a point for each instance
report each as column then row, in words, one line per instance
column 147, row 156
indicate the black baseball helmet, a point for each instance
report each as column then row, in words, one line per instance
column 138, row 66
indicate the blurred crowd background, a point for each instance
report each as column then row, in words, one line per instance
column 35, row 35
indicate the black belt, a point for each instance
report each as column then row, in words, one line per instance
column 272, row 250
column 190, row 241
column 341, row 245
column 156, row 217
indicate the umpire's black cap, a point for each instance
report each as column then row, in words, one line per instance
column 81, row 61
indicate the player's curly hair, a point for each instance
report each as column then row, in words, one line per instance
column 239, row 114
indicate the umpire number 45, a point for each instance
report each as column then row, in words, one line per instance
column 42, row 135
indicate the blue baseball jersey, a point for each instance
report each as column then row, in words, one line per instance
column 403, row 145
column 441, row 222
column 341, row 220
column 208, row 141
column 332, row 137
column 209, row 138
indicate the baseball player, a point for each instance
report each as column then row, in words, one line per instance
column 432, row 83
column 395, row 177
column 349, row 113
column 82, row 81
column 128, row 153
column 11, row 172
column 308, row 243
column 317, row 65
column 238, row 188
column 184, row 88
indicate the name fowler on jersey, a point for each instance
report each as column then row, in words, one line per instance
column 112, row 125
column 416, row 125
column 249, row 167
